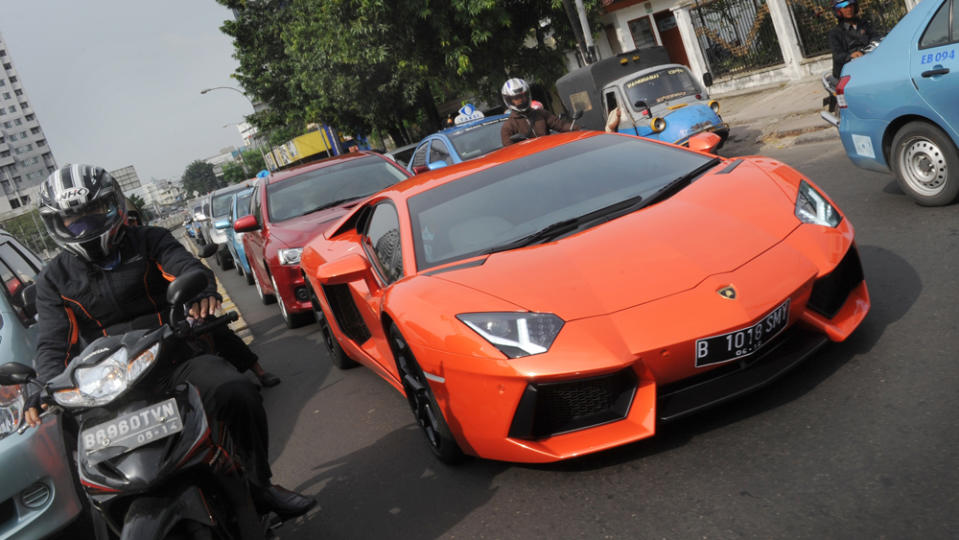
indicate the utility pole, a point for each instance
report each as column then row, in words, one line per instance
column 587, row 34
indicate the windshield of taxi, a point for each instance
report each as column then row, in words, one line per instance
column 661, row 86
column 330, row 186
column 494, row 208
column 477, row 140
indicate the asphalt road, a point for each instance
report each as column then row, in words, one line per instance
column 859, row 442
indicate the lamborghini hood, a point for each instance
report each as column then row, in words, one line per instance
column 714, row 226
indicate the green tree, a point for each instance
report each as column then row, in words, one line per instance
column 253, row 160
column 233, row 173
column 199, row 177
column 138, row 202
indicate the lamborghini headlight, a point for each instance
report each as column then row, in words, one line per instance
column 515, row 334
column 290, row 256
column 812, row 207
column 12, row 402
column 103, row 382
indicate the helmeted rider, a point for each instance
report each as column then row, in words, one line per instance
column 111, row 278
column 850, row 35
column 524, row 118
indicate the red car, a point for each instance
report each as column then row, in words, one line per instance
column 291, row 207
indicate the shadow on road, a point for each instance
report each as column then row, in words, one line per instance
column 742, row 141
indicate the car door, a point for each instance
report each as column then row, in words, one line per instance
column 440, row 152
column 382, row 246
column 18, row 269
column 253, row 241
column 935, row 64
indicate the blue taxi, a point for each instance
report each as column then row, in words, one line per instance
column 899, row 104
column 473, row 135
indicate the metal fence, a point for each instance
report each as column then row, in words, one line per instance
column 736, row 36
column 814, row 19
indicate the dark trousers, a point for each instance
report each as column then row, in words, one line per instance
column 232, row 347
column 233, row 399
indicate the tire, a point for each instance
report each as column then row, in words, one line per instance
column 292, row 320
column 237, row 265
column 267, row 299
column 227, row 258
column 249, row 276
column 219, row 259
column 926, row 164
column 422, row 402
column 338, row 356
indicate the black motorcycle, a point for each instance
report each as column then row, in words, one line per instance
column 150, row 463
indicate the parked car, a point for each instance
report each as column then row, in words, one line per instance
column 38, row 495
column 563, row 295
column 201, row 220
column 661, row 100
column 239, row 207
column 899, row 104
column 216, row 206
column 290, row 207
column 457, row 144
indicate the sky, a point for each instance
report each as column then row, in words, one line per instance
column 117, row 82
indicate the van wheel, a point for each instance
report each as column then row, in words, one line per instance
column 926, row 164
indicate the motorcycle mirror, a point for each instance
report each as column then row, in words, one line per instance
column 207, row 250
column 186, row 287
column 577, row 115
column 26, row 300
column 641, row 105
column 708, row 79
column 16, row 373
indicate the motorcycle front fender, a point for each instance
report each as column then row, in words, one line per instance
column 155, row 517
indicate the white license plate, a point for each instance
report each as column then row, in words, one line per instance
column 133, row 430
column 743, row 342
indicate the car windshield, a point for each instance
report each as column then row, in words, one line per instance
column 660, row 86
column 494, row 208
column 222, row 202
column 330, row 186
column 477, row 140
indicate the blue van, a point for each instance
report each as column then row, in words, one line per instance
column 899, row 104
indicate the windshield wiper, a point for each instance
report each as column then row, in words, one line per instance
column 561, row 228
column 673, row 186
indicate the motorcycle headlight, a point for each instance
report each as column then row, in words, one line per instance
column 290, row 256
column 812, row 207
column 102, row 383
column 515, row 334
column 12, row 402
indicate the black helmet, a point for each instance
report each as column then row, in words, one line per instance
column 514, row 88
column 83, row 210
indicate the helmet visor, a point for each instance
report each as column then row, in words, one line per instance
column 90, row 222
column 843, row 4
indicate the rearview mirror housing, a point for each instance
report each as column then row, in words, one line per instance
column 16, row 373
column 221, row 224
column 246, row 224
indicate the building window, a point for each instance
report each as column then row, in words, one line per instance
column 16, row 179
column 12, row 136
column 13, row 79
column 2, row 53
column 7, row 124
column 30, row 117
column 24, row 105
column 2, row 82
column 6, row 185
column 17, row 92
column 6, row 95
column 11, row 109
column 14, row 203
column 17, row 121
column 642, row 31
column 8, row 66
column 41, row 142
column 35, row 130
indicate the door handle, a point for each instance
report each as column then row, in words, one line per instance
column 934, row 72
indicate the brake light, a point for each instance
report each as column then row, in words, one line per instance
column 841, row 91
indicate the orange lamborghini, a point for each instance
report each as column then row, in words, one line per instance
column 566, row 294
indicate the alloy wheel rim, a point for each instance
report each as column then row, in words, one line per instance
column 279, row 299
column 418, row 399
column 923, row 166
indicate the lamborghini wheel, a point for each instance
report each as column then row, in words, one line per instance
column 422, row 401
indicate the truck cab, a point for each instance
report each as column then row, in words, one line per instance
column 660, row 100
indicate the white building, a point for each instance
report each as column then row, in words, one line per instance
column 127, row 178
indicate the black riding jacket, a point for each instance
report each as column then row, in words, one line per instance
column 845, row 39
column 78, row 302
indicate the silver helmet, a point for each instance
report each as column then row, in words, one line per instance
column 83, row 211
column 513, row 89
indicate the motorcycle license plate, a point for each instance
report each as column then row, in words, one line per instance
column 742, row 342
column 131, row 430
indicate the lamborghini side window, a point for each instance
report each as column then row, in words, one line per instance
column 383, row 240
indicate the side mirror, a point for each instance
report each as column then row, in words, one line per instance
column 704, row 142
column 350, row 268
column 436, row 165
column 208, row 250
column 417, row 169
column 186, row 287
column 26, row 300
column 708, row 79
column 221, row 224
column 642, row 106
column 16, row 373
column 246, row 224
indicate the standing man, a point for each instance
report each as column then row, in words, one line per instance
column 524, row 119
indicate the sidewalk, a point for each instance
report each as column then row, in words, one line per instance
column 781, row 115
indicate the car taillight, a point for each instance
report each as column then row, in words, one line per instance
column 841, row 91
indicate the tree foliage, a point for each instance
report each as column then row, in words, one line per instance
column 199, row 177
column 233, row 173
column 361, row 65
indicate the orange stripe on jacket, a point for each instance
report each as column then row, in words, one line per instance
column 168, row 277
column 85, row 312
column 74, row 332
column 146, row 287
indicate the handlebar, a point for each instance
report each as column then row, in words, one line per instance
column 186, row 331
column 53, row 409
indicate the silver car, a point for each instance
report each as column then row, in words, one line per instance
column 38, row 495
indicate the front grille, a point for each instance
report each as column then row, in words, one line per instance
column 548, row 409
column 831, row 291
column 345, row 312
